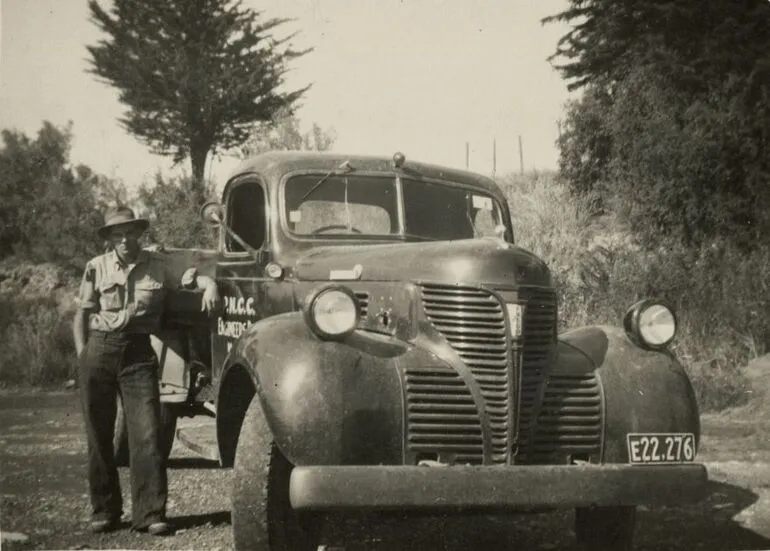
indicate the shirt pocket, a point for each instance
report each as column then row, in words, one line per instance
column 149, row 295
column 111, row 296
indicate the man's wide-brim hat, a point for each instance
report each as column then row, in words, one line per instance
column 121, row 216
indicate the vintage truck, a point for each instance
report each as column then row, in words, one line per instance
column 385, row 346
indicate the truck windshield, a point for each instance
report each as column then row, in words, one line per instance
column 439, row 211
column 352, row 205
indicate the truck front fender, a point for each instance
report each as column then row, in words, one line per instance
column 643, row 390
column 325, row 402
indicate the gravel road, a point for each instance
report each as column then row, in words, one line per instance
column 44, row 501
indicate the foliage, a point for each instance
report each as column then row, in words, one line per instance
column 37, row 340
column 194, row 74
column 585, row 144
column 674, row 124
column 173, row 209
column 689, row 42
column 698, row 171
column 49, row 210
column 600, row 269
column 284, row 134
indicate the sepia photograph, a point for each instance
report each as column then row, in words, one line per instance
column 385, row 275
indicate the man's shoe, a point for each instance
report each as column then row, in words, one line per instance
column 158, row 529
column 106, row 525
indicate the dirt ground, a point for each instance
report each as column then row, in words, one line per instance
column 44, row 501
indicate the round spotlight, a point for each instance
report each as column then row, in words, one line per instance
column 273, row 270
column 650, row 323
column 398, row 159
column 332, row 312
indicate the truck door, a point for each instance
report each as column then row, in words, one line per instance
column 240, row 272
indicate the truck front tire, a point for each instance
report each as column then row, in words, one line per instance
column 262, row 515
column 167, row 428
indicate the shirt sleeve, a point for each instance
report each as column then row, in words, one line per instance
column 189, row 278
column 88, row 296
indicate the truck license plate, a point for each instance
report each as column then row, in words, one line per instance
column 660, row 448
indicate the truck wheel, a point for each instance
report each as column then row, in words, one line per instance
column 262, row 515
column 605, row 528
column 167, row 427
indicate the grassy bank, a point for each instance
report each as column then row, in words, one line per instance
column 717, row 292
column 36, row 305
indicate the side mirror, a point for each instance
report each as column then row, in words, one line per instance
column 213, row 213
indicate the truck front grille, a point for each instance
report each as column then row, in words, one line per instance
column 569, row 421
column 363, row 303
column 558, row 415
column 473, row 322
column 539, row 331
column 442, row 417
column 538, row 337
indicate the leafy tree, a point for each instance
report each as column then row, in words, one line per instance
column 284, row 134
column 585, row 143
column 172, row 206
column 696, row 171
column 25, row 164
column 50, row 210
column 194, row 74
column 674, row 117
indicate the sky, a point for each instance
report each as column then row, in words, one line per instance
column 423, row 77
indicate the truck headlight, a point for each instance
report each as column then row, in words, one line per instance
column 332, row 312
column 650, row 323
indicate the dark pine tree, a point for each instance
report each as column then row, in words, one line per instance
column 692, row 42
column 194, row 74
column 674, row 121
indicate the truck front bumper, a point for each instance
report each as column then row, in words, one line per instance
column 329, row 488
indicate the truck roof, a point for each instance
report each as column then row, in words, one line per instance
column 275, row 164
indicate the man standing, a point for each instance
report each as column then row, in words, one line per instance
column 120, row 304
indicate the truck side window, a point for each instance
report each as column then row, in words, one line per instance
column 247, row 216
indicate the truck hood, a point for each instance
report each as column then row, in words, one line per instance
column 487, row 260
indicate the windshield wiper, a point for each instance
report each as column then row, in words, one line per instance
column 345, row 165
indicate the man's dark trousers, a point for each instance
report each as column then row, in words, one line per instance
column 125, row 363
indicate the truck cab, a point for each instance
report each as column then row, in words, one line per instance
column 385, row 345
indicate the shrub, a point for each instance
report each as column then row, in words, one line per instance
column 37, row 341
column 600, row 270
column 690, row 168
column 173, row 208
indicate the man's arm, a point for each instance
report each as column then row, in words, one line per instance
column 191, row 279
column 87, row 301
column 80, row 330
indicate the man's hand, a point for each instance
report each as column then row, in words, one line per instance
column 210, row 302
column 210, row 299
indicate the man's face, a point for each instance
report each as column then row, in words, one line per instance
column 125, row 239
